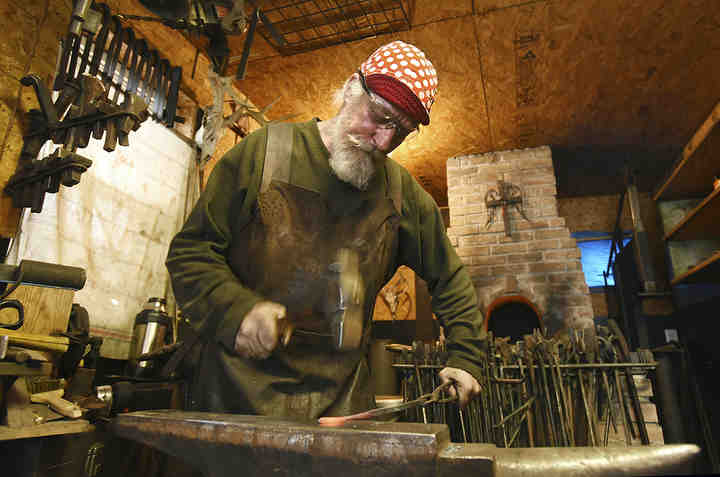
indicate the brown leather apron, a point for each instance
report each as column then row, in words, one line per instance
column 288, row 253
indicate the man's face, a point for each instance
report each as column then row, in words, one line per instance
column 368, row 128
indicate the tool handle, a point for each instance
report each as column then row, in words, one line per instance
column 285, row 331
column 57, row 403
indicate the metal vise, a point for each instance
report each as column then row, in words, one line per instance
column 223, row 445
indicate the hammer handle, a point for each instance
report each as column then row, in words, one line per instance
column 285, row 331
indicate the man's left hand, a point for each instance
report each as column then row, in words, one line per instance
column 465, row 386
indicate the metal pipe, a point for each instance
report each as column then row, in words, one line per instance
column 666, row 391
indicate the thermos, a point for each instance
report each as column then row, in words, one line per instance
column 151, row 331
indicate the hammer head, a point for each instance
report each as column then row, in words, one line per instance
column 136, row 105
column 346, row 299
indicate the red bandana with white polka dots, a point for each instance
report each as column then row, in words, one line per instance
column 407, row 64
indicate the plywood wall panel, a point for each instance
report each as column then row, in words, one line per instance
column 596, row 213
column 604, row 73
column 307, row 82
column 31, row 31
column 422, row 12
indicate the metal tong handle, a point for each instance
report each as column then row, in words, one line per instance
column 434, row 397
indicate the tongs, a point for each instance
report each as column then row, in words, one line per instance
column 434, row 397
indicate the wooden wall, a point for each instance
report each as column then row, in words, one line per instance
column 519, row 74
column 31, row 31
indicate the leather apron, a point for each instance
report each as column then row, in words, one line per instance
column 288, row 253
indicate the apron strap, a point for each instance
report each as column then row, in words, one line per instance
column 394, row 186
column 278, row 153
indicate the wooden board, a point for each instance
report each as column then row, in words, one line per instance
column 47, row 310
column 15, row 369
column 702, row 222
column 707, row 271
column 692, row 175
column 48, row 429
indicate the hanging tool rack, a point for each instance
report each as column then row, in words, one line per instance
column 107, row 82
column 540, row 392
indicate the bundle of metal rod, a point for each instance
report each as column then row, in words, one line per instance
column 542, row 391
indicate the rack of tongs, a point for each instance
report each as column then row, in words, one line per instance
column 541, row 391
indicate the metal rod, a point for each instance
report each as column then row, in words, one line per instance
column 462, row 424
column 530, row 416
column 651, row 365
column 420, row 391
column 517, row 430
column 516, row 412
column 591, row 431
column 621, row 402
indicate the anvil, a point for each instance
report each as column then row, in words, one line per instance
column 224, row 445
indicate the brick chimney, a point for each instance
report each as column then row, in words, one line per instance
column 538, row 260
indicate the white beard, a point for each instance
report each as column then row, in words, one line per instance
column 352, row 160
column 353, row 165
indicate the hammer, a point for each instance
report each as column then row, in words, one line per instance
column 344, row 305
column 137, row 106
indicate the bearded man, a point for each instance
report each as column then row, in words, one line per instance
column 281, row 213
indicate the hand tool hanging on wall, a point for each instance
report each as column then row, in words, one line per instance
column 36, row 177
column 109, row 82
column 71, row 45
column 98, row 44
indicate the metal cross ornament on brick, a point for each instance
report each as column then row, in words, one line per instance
column 504, row 196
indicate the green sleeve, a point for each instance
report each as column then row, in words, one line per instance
column 425, row 247
column 206, row 289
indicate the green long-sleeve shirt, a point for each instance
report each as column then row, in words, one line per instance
column 216, row 301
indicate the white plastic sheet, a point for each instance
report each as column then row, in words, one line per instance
column 117, row 224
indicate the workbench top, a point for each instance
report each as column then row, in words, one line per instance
column 55, row 428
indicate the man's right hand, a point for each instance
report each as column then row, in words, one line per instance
column 258, row 334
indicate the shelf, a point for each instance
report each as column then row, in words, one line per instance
column 692, row 176
column 707, row 271
column 701, row 222
column 25, row 369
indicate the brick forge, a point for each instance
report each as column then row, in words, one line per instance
column 539, row 262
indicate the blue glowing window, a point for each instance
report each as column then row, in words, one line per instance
column 595, row 254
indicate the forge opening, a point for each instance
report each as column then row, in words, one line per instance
column 512, row 316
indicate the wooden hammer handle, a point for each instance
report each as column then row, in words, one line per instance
column 285, row 331
column 57, row 403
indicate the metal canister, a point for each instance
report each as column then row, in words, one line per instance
column 151, row 331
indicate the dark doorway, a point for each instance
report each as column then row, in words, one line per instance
column 513, row 319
